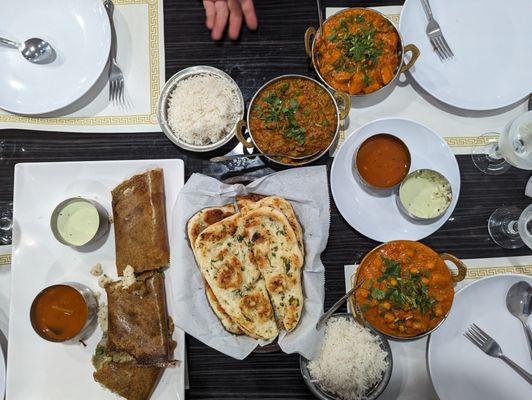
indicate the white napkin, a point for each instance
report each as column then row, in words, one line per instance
column 306, row 189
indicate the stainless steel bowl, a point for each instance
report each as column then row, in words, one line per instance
column 311, row 35
column 342, row 104
column 92, row 311
column 376, row 189
column 359, row 315
column 162, row 107
column 402, row 207
column 372, row 393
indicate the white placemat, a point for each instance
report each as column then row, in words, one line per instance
column 410, row 379
column 140, row 54
column 460, row 128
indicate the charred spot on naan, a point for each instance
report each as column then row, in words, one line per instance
column 255, row 305
column 276, row 284
column 229, row 275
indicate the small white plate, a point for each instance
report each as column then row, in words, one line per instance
column 491, row 43
column 78, row 30
column 460, row 370
column 379, row 217
column 37, row 369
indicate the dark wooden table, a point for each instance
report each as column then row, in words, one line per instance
column 276, row 48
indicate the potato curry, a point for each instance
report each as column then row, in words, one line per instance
column 408, row 289
column 293, row 116
column 359, row 51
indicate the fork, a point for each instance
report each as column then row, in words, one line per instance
column 437, row 40
column 489, row 346
column 116, row 77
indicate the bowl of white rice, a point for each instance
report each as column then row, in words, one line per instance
column 199, row 108
column 353, row 363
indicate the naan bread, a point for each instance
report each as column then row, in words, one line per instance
column 275, row 251
column 196, row 225
column 225, row 261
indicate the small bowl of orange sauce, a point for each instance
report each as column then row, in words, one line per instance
column 64, row 313
column 382, row 161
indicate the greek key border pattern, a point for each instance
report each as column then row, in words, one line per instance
column 482, row 272
column 5, row 259
column 153, row 42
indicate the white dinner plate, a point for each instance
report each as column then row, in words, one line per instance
column 491, row 43
column 379, row 217
column 40, row 370
column 78, row 30
column 460, row 370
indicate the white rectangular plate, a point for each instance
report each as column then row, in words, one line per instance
column 38, row 369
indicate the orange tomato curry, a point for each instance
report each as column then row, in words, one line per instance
column 59, row 313
column 293, row 116
column 359, row 51
column 408, row 289
column 383, row 161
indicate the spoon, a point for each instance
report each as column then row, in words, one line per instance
column 234, row 156
column 519, row 303
column 34, row 50
column 325, row 316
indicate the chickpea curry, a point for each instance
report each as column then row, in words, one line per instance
column 293, row 116
column 359, row 51
column 408, row 289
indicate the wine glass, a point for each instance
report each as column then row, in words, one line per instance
column 510, row 227
column 6, row 223
column 513, row 147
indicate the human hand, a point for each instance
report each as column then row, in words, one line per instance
column 217, row 12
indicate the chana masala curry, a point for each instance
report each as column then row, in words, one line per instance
column 293, row 116
column 359, row 51
column 408, row 289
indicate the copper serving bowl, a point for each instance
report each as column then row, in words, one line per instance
column 312, row 36
column 356, row 308
column 342, row 104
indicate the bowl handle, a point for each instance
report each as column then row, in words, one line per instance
column 309, row 34
column 239, row 126
column 415, row 54
column 462, row 269
column 344, row 103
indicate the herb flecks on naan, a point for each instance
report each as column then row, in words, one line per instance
column 223, row 258
column 196, row 225
column 275, row 251
column 283, row 206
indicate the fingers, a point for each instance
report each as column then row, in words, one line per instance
column 249, row 14
column 210, row 12
column 235, row 19
column 220, row 20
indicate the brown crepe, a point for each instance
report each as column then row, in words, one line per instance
column 128, row 379
column 138, row 321
column 140, row 223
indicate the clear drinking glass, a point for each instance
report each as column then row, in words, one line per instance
column 510, row 227
column 513, row 147
column 6, row 223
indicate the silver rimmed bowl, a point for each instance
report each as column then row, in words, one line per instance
column 162, row 107
column 373, row 393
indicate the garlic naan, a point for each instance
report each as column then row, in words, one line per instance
column 224, row 256
column 275, row 251
column 199, row 221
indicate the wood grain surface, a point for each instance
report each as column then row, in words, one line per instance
column 276, row 48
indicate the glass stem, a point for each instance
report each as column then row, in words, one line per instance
column 511, row 228
column 495, row 152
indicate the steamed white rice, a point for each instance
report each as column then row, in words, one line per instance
column 203, row 109
column 351, row 360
